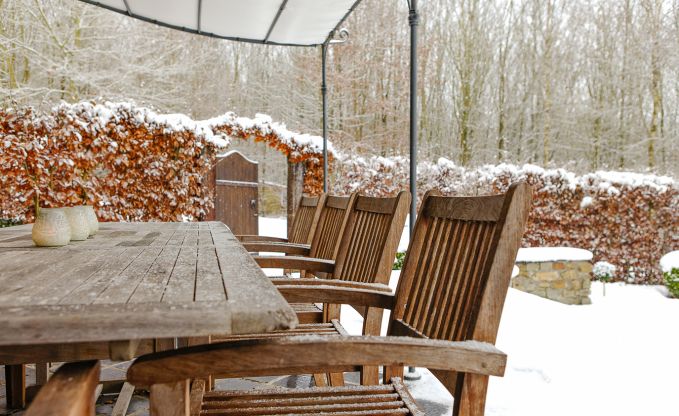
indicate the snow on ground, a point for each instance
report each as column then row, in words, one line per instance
column 615, row 356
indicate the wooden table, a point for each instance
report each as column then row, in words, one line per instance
column 116, row 294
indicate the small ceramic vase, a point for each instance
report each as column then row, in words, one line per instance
column 77, row 219
column 91, row 219
column 51, row 228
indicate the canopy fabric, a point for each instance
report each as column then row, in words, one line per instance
column 276, row 22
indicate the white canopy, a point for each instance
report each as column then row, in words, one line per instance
column 276, row 22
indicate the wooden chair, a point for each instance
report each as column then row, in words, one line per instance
column 365, row 256
column 326, row 237
column 365, row 253
column 326, row 234
column 303, row 224
column 445, row 316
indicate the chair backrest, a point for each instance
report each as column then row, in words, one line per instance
column 306, row 216
column 457, row 271
column 370, row 238
column 327, row 233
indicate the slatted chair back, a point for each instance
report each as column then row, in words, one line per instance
column 457, row 272
column 370, row 239
column 329, row 228
column 306, row 216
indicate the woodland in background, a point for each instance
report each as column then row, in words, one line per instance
column 582, row 84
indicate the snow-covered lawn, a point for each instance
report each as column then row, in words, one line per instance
column 616, row 356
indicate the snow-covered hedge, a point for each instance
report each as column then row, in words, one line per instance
column 628, row 219
column 129, row 161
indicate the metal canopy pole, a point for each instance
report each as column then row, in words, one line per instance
column 413, row 21
column 324, row 93
column 343, row 36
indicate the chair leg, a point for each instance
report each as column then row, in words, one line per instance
column 320, row 380
column 170, row 399
column 15, row 386
column 470, row 395
column 391, row 372
column 336, row 379
column 372, row 325
column 330, row 312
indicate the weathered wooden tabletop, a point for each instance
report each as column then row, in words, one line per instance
column 134, row 281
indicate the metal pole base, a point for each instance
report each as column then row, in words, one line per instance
column 412, row 374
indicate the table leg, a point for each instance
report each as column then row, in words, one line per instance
column 41, row 373
column 15, row 386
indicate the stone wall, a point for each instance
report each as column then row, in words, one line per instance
column 562, row 281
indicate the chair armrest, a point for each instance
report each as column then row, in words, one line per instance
column 70, row 391
column 294, row 281
column 287, row 248
column 337, row 295
column 295, row 263
column 305, row 352
column 262, row 238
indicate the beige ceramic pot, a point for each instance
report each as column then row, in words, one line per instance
column 91, row 219
column 51, row 228
column 77, row 219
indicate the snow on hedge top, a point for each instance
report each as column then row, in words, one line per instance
column 670, row 261
column 97, row 116
column 262, row 123
column 545, row 254
column 94, row 117
column 453, row 178
column 610, row 181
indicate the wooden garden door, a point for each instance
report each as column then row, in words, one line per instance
column 236, row 193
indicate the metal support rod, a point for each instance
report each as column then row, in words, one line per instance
column 413, row 21
column 324, row 93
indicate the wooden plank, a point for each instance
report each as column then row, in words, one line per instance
column 408, row 400
column 46, row 324
column 136, row 281
column 89, row 290
column 97, row 392
column 48, row 268
column 68, row 275
column 170, row 399
column 209, row 281
column 182, row 281
column 123, row 285
column 376, row 205
column 123, row 350
column 123, row 400
column 15, row 386
column 42, row 371
column 16, row 261
column 21, row 354
column 153, row 284
column 70, row 392
column 287, row 248
column 478, row 208
column 204, row 235
column 320, row 352
column 249, row 292
column 196, row 397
